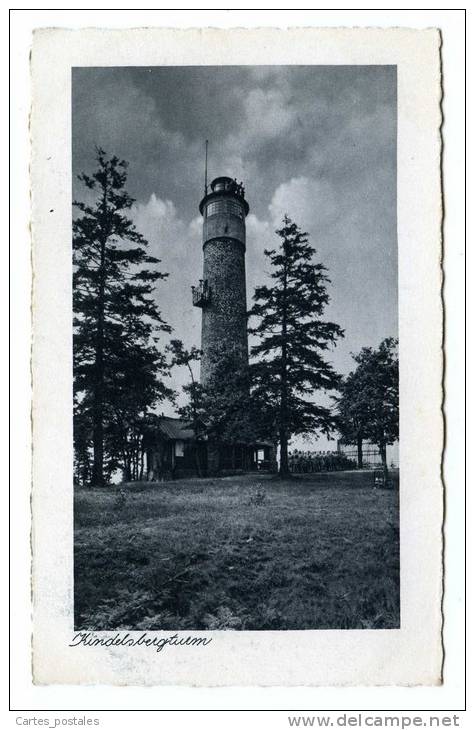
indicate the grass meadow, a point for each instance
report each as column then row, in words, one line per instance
column 248, row 552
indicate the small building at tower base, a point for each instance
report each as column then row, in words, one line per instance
column 172, row 451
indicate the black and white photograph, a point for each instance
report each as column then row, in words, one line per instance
column 235, row 341
column 237, row 357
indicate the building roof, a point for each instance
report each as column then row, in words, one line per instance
column 176, row 428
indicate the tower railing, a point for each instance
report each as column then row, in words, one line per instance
column 201, row 294
column 227, row 185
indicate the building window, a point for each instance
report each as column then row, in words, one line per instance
column 234, row 208
column 224, row 207
column 214, row 208
column 179, row 448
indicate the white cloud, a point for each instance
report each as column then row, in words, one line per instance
column 154, row 217
column 308, row 202
column 268, row 113
column 259, row 235
column 177, row 243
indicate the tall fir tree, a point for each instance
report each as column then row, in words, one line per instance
column 289, row 367
column 368, row 403
column 227, row 401
column 224, row 413
column 118, row 370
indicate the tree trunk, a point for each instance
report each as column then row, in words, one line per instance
column 382, row 451
column 196, row 425
column 127, row 467
column 197, row 463
column 98, row 404
column 135, row 458
column 360, row 451
column 284, row 454
column 97, row 424
column 142, row 461
column 283, row 436
column 196, row 450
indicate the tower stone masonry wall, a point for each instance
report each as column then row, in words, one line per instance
column 228, row 226
column 224, row 314
column 224, row 322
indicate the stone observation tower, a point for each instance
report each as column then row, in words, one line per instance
column 221, row 292
column 176, row 447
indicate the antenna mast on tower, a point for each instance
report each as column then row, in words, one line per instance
column 206, row 167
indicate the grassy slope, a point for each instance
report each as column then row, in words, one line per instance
column 318, row 552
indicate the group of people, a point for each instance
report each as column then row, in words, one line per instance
column 307, row 462
column 236, row 188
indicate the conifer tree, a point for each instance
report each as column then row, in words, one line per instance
column 369, row 401
column 227, row 403
column 118, row 370
column 290, row 368
column 351, row 419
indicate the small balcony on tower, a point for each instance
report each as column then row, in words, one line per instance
column 201, row 294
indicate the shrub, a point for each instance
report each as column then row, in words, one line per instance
column 258, row 497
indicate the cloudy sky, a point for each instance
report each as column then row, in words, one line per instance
column 317, row 143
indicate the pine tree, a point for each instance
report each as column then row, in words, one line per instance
column 351, row 418
column 369, row 401
column 291, row 368
column 118, row 370
column 227, row 402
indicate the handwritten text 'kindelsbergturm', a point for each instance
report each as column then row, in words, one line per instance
column 89, row 638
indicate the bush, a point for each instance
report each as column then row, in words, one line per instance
column 258, row 497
